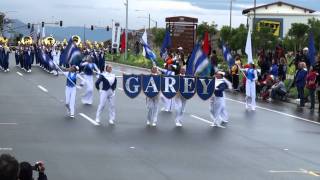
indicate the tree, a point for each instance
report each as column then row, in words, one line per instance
column 225, row 34
column 1, row 22
column 239, row 38
column 158, row 34
column 205, row 26
column 264, row 38
column 299, row 32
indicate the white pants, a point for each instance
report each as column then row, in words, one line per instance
column 107, row 97
column 250, row 94
column 153, row 109
column 180, row 105
column 167, row 103
column 87, row 98
column 218, row 111
column 71, row 98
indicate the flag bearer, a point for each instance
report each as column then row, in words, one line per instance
column 251, row 78
column 180, row 103
column 107, row 93
column 218, row 110
column 88, row 68
column 168, row 103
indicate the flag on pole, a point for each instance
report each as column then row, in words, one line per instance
column 249, row 48
column 43, row 32
column 33, row 34
column 166, row 44
column 198, row 63
column 312, row 50
column 145, row 41
column 38, row 33
column 206, row 43
column 123, row 42
column 71, row 55
column 227, row 55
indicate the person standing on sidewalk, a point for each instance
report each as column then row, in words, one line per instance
column 300, row 81
column 312, row 85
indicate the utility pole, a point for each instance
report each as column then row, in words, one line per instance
column 84, row 33
column 149, row 21
column 230, row 14
column 254, row 13
column 126, row 31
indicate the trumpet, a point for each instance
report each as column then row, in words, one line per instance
column 26, row 40
column 76, row 39
column 49, row 41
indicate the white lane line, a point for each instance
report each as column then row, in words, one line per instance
column 20, row 74
column 89, row 119
column 42, row 88
column 201, row 119
column 8, row 123
column 278, row 112
column 6, row 149
column 120, row 89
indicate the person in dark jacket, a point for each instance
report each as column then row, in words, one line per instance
column 300, row 81
column 9, row 167
column 312, row 85
column 107, row 94
column 26, row 171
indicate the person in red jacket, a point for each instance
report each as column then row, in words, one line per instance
column 312, row 85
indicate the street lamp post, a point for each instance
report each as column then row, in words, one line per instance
column 126, row 31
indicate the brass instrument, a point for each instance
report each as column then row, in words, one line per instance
column 76, row 39
column 26, row 40
column 49, row 41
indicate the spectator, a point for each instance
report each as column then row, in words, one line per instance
column 278, row 90
column 300, row 81
column 274, row 70
column 282, row 71
column 312, row 85
column 235, row 73
column 27, row 174
column 317, row 69
column 9, row 167
column 214, row 62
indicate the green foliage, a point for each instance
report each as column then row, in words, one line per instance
column 299, row 32
column 264, row 38
column 205, row 26
column 1, row 22
column 226, row 34
column 138, row 61
column 158, row 34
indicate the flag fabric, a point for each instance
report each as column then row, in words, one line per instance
column 206, row 43
column 145, row 41
column 71, row 55
column 166, row 44
column 198, row 63
column 249, row 48
column 38, row 33
column 312, row 50
column 227, row 55
column 123, row 42
column 47, row 60
column 149, row 53
column 33, row 34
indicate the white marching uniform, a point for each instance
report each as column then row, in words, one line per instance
column 252, row 77
column 107, row 95
column 71, row 91
column 218, row 112
column 153, row 109
column 180, row 106
column 168, row 104
column 56, row 56
column 87, row 97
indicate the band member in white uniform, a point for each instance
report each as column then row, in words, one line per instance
column 88, row 68
column 71, row 89
column 252, row 77
column 218, row 110
column 153, row 104
column 180, row 103
column 107, row 93
column 168, row 103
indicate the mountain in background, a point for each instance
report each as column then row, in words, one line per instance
column 59, row 33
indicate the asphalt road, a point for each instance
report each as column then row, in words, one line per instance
column 275, row 142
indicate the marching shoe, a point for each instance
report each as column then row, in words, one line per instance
column 213, row 125
column 220, row 126
column 178, row 124
column 154, row 124
column 148, row 123
column 72, row 116
column 111, row 122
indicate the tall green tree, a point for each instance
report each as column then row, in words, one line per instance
column 226, row 34
column 1, row 23
column 205, row 26
column 158, row 35
column 239, row 38
column 299, row 32
column 264, row 38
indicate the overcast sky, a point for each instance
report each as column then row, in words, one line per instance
column 101, row 12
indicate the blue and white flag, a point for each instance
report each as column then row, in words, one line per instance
column 46, row 59
column 198, row 63
column 71, row 55
column 165, row 45
column 149, row 53
column 227, row 55
column 312, row 50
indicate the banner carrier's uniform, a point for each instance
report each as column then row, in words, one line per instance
column 252, row 77
column 153, row 108
column 168, row 103
column 218, row 111
column 89, row 68
column 107, row 94
column 180, row 106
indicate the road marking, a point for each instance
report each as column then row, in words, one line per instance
column 278, row 112
column 201, row 119
column 120, row 89
column 8, row 123
column 20, row 74
column 89, row 119
column 6, row 149
column 42, row 88
column 132, row 147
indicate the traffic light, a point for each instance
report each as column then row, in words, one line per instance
column 60, row 23
column 42, row 24
column 108, row 28
column 29, row 25
column 91, row 27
